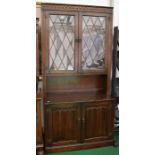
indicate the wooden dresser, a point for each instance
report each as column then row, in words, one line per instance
column 76, row 58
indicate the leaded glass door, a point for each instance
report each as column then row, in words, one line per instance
column 93, row 46
column 62, row 48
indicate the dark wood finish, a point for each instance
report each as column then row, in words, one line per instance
column 62, row 126
column 75, row 14
column 39, row 131
column 78, row 125
column 76, row 83
column 38, row 120
column 37, row 50
column 107, row 50
column 77, row 8
column 96, row 121
column 80, row 146
column 78, row 108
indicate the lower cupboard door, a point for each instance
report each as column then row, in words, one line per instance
column 97, row 122
column 62, row 124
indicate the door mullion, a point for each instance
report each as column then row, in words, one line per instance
column 79, row 40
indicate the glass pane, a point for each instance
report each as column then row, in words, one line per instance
column 61, row 42
column 93, row 42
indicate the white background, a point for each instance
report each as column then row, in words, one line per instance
column 17, row 78
column 90, row 2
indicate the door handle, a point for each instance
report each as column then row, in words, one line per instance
column 83, row 120
column 79, row 119
column 78, row 40
column 48, row 102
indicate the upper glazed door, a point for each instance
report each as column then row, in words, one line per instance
column 76, row 42
column 62, row 48
column 93, row 34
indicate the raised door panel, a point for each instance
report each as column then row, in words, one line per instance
column 62, row 124
column 97, row 121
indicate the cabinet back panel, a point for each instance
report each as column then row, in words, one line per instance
column 76, row 83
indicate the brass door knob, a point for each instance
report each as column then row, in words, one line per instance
column 40, row 78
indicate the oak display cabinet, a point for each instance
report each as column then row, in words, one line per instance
column 76, row 58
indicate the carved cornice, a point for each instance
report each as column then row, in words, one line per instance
column 80, row 8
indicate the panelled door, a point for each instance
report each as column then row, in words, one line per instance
column 97, row 118
column 62, row 124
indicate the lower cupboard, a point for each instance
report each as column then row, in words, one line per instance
column 78, row 125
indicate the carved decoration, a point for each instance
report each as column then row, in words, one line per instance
column 85, row 8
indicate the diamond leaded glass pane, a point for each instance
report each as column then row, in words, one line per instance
column 93, row 42
column 61, row 42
